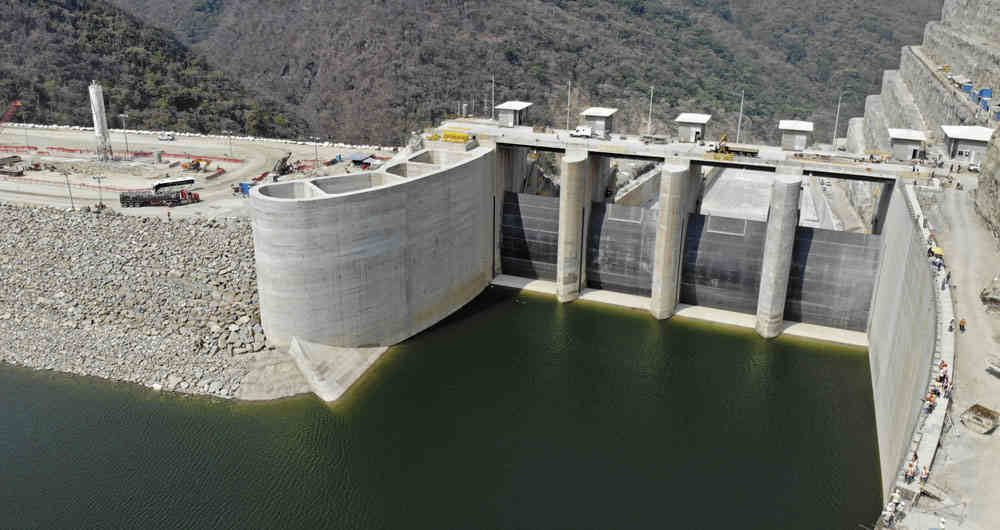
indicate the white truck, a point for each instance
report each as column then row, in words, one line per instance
column 583, row 132
column 165, row 137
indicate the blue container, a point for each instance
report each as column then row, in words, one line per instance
column 986, row 102
column 986, row 93
column 245, row 188
column 967, row 88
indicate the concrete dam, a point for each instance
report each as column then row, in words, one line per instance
column 372, row 258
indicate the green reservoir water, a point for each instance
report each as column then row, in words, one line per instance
column 517, row 412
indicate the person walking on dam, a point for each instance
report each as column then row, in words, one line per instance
column 961, row 325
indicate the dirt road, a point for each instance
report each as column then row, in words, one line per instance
column 966, row 465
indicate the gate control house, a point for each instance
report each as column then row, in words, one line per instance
column 601, row 120
column 966, row 143
column 691, row 126
column 512, row 113
column 795, row 135
column 907, row 144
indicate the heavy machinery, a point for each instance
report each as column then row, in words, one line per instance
column 9, row 114
column 131, row 199
column 8, row 168
column 726, row 148
column 198, row 164
column 281, row 166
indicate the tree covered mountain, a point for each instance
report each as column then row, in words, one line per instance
column 52, row 50
column 371, row 71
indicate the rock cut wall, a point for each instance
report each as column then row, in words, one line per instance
column 987, row 197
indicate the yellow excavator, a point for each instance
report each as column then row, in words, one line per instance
column 726, row 151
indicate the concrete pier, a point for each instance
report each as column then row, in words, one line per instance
column 579, row 171
column 885, row 196
column 677, row 182
column 782, row 221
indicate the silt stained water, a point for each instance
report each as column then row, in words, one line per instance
column 517, row 412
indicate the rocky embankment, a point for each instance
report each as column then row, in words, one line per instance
column 169, row 305
column 988, row 187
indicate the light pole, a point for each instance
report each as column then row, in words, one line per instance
column 69, row 190
column 100, row 191
column 124, row 117
column 739, row 124
column 230, row 133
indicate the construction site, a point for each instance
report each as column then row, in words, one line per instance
column 303, row 262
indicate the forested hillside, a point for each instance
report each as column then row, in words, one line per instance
column 52, row 50
column 374, row 70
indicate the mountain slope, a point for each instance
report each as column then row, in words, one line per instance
column 372, row 71
column 52, row 50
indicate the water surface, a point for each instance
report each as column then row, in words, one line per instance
column 517, row 412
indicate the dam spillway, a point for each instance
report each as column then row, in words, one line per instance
column 374, row 258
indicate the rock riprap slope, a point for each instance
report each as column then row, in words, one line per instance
column 169, row 305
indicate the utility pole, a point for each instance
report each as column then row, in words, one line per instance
column 649, row 121
column 493, row 96
column 100, row 191
column 125, row 130
column 569, row 94
column 739, row 124
column 69, row 190
column 836, row 121
column 230, row 133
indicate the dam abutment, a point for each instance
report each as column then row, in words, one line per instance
column 901, row 333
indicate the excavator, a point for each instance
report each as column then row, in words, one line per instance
column 728, row 150
column 281, row 166
column 198, row 164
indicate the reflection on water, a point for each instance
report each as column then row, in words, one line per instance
column 518, row 412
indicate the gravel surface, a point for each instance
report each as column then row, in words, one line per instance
column 169, row 305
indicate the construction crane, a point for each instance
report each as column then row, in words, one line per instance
column 9, row 114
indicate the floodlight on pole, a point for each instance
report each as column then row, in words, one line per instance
column 69, row 190
column 124, row 116
column 100, row 191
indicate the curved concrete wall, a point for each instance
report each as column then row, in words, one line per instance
column 373, row 258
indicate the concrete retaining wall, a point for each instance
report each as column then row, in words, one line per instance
column 939, row 103
column 375, row 266
column 856, row 136
column 620, row 247
column 901, row 334
column 876, row 130
column 898, row 107
column 530, row 234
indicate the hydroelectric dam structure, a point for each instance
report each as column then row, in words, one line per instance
column 372, row 258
